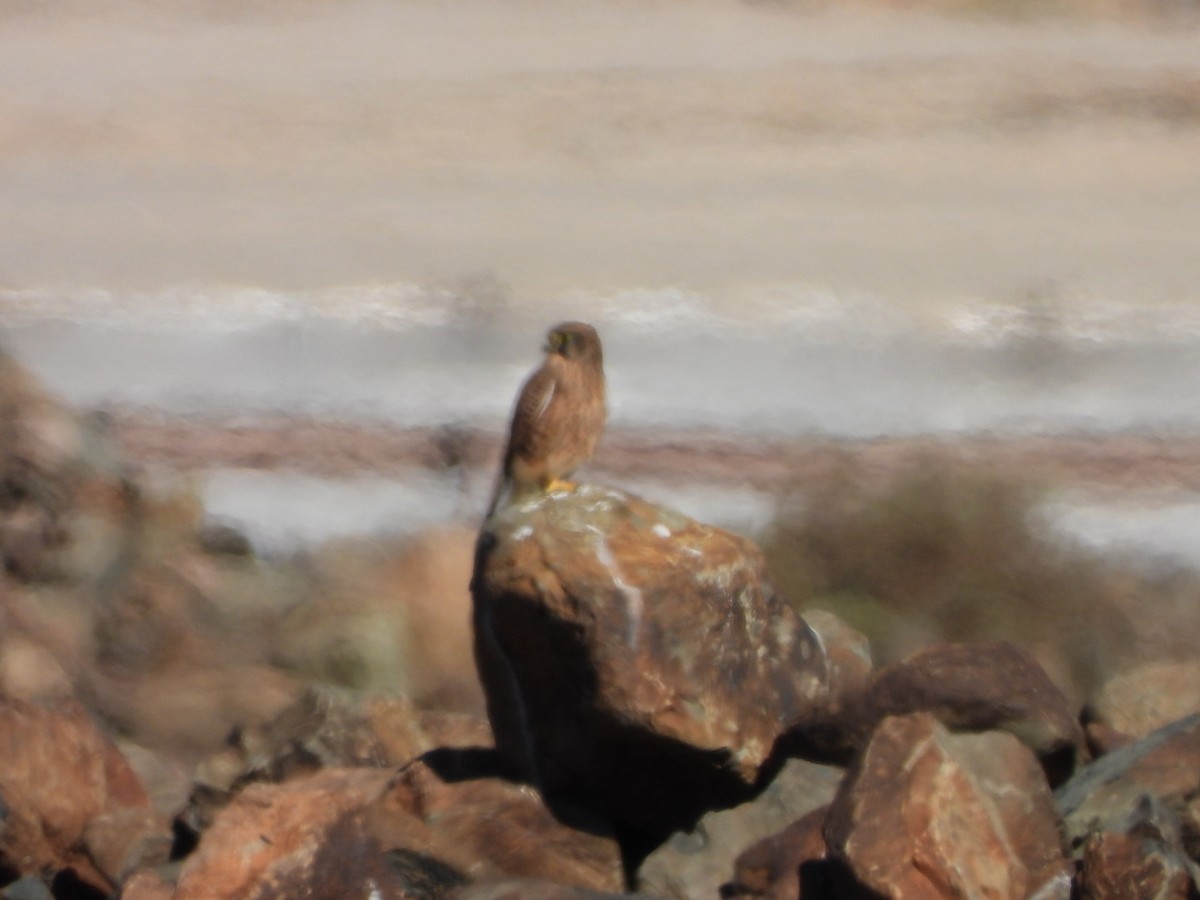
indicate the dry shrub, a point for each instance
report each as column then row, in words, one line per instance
column 386, row 615
column 940, row 552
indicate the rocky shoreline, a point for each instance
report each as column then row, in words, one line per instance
column 623, row 700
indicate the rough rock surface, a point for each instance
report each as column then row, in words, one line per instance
column 1128, row 866
column 849, row 654
column 634, row 658
column 1148, row 697
column 325, row 728
column 400, row 830
column 1111, row 794
column 698, row 863
column 270, row 831
column 927, row 814
column 777, row 867
column 978, row 687
column 69, row 799
column 1164, row 765
column 493, row 828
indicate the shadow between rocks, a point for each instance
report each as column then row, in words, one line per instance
column 666, row 776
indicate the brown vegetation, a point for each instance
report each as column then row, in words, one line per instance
column 939, row 551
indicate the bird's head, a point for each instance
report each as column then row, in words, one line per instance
column 575, row 340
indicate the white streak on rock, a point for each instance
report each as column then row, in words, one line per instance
column 634, row 602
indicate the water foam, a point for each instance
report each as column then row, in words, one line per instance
column 809, row 311
column 225, row 308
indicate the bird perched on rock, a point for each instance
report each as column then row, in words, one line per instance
column 559, row 415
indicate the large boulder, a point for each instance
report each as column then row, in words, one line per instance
column 635, row 660
column 925, row 814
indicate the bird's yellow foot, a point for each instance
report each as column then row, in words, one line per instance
column 555, row 485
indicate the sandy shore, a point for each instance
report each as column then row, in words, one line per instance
column 336, row 450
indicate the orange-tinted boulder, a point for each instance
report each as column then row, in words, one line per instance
column 926, row 814
column 634, row 659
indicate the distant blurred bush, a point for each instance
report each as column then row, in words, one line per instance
column 941, row 553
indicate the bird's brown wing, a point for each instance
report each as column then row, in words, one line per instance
column 532, row 404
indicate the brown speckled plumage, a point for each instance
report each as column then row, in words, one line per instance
column 559, row 415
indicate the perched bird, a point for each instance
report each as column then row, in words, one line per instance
column 559, row 415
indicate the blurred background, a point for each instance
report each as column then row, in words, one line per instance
column 908, row 292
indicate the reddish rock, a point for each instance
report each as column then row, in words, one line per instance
column 926, row 814
column 634, row 659
column 355, row 858
column 698, row 863
column 771, row 868
column 1148, row 697
column 66, row 790
column 980, row 687
column 402, row 831
column 324, row 729
column 494, row 828
column 270, row 832
column 1133, row 867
